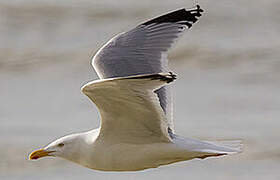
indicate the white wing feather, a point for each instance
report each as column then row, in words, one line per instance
column 129, row 108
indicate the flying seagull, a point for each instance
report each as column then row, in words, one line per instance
column 134, row 102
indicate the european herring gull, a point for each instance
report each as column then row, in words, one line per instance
column 134, row 102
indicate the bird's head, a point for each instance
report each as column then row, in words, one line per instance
column 67, row 147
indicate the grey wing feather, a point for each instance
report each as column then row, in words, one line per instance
column 143, row 50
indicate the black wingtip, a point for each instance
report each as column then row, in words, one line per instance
column 191, row 15
column 170, row 77
column 182, row 16
column 167, row 77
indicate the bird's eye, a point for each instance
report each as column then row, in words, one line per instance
column 60, row 145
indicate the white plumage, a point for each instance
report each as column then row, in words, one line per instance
column 136, row 131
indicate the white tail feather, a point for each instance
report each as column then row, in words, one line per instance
column 234, row 145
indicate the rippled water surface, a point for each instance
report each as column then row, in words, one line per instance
column 228, row 83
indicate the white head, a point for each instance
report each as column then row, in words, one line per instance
column 68, row 147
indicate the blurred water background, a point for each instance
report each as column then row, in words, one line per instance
column 228, row 83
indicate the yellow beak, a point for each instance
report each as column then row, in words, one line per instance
column 39, row 153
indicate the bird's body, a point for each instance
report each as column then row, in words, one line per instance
column 109, row 154
column 135, row 106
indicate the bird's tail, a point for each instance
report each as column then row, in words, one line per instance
column 204, row 149
column 220, row 148
column 228, row 146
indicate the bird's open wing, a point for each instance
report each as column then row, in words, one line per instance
column 143, row 50
column 129, row 107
